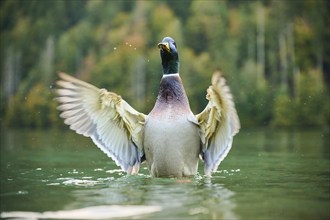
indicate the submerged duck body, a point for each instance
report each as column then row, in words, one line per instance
column 170, row 138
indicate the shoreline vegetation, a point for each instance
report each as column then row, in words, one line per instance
column 274, row 55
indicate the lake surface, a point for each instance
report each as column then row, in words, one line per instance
column 269, row 174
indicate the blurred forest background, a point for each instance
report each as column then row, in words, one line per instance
column 275, row 55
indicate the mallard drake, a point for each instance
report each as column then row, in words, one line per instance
column 170, row 138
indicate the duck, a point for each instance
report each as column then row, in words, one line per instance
column 171, row 139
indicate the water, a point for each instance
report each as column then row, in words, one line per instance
column 267, row 175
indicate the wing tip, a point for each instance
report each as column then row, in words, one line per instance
column 66, row 77
column 217, row 77
column 61, row 74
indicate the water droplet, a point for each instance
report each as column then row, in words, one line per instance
column 105, row 179
column 87, row 177
column 38, row 168
column 53, row 184
column 22, row 192
column 77, row 182
column 115, row 48
column 74, row 171
column 114, row 171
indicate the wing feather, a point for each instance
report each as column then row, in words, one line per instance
column 113, row 125
column 219, row 122
column 71, row 113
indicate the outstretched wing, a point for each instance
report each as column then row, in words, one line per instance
column 114, row 126
column 218, row 124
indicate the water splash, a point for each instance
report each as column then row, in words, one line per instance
column 119, row 171
column 80, row 182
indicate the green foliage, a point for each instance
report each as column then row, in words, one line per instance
column 284, row 116
column 311, row 100
column 308, row 108
column 274, row 55
column 36, row 109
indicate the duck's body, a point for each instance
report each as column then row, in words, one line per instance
column 170, row 137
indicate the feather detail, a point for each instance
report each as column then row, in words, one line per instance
column 113, row 125
column 219, row 122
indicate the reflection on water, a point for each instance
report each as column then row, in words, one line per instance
column 219, row 200
column 181, row 197
column 93, row 212
column 129, row 196
column 54, row 174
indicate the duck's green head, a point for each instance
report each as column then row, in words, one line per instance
column 169, row 55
